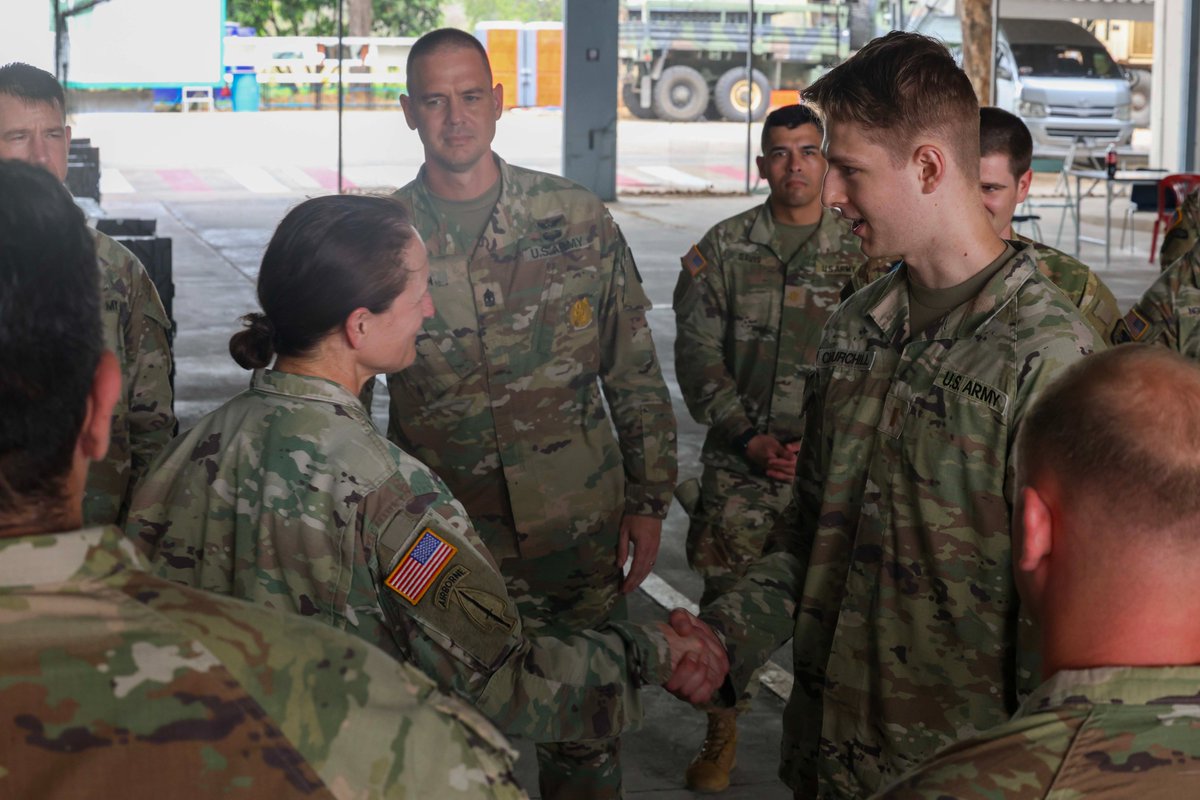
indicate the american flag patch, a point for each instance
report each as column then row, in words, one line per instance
column 694, row 262
column 1136, row 324
column 423, row 562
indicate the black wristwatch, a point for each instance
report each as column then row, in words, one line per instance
column 742, row 443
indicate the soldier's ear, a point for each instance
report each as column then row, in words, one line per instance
column 97, row 422
column 356, row 327
column 1023, row 184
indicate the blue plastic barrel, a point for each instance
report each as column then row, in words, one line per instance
column 244, row 93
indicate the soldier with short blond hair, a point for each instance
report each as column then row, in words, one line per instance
column 891, row 568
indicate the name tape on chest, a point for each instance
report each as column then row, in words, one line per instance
column 976, row 390
column 554, row 248
column 420, row 566
column 856, row 359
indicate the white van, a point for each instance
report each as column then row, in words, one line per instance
column 1056, row 77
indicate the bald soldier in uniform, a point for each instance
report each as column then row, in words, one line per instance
column 33, row 129
column 114, row 683
column 1107, row 552
column 750, row 303
column 890, row 570
column 539, row 311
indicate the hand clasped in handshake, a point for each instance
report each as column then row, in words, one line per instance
column 698, row 660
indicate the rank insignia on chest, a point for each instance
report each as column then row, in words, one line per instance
column 694, row 262
column 794, row 296
column 581, row 314
column 420, row 566
column 489, row 298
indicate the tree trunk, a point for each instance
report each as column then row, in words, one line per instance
column 359, row 17
column 978, row 47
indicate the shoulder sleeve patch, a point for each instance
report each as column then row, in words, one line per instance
column 1135, row 325
column 420, row 566
column 694, row 262
column 443, row 581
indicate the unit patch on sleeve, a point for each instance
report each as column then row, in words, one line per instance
column 694, row 262
column 1135, row 325
column 420, row 566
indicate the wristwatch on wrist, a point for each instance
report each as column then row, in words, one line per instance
column 742, row 442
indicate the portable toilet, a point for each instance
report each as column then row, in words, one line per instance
column 542, row 64
column 502, row 40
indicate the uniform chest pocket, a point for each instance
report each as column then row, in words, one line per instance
column 570, row 309
column 957, row 434
column 756, row 314
column 1188, row 312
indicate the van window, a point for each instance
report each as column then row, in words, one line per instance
column 1065, row 61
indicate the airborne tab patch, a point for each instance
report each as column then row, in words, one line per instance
column 420, row 566
column 693, row 261
column 969, row 387
column 857, row 359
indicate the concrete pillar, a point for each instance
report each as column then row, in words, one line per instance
column 590, row 94
column 1175, row 85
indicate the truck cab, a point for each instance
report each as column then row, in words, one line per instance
column 1057, row 77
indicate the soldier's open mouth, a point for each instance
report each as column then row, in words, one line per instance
column 855, row 224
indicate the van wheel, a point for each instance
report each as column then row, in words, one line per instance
column 681, row 95
column 734, row 95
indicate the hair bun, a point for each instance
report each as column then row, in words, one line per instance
column 254, row 346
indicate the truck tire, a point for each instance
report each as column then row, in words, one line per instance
column 732, row 98
column 681, row 95
column 634, row 103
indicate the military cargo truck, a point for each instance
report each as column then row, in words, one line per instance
column 683, row 58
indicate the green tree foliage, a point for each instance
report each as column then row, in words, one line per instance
column 319, row 17
column 521, row 10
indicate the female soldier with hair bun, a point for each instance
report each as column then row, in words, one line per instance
column 287, row 495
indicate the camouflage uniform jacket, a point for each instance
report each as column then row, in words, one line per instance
column 136, row 329
column 891, row 567
column 1183, row 235
column 749, row 325
column 288, row 496
column 114, row 683
column 1073, row 278
column 503, row 401
column 1169, row 312
column 1083, row 286
column 1105, row 734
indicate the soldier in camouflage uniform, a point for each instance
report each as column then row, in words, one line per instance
column 288, row 496
column 114, row 683
column 539, row 310
column 1107, row 558
column 891, row 569
column 1181, row 238
column 750, row 304
column 33, row 129
column 1006, row 150
column 1169, row 312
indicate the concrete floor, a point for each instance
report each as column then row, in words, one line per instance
column 219, row 232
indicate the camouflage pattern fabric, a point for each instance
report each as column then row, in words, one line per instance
column 533, row 320
column 891, row 568
column 1105, row 734
column 1181, row 238
column 503, row 402
column 749, row 324
column 114, row 683
column 1082, row 285
column 1169, row 312
column 137, row 330
column 288, row 496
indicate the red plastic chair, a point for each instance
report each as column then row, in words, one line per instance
column 1181, row 185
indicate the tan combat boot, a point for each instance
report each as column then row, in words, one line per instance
column 709, row 770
